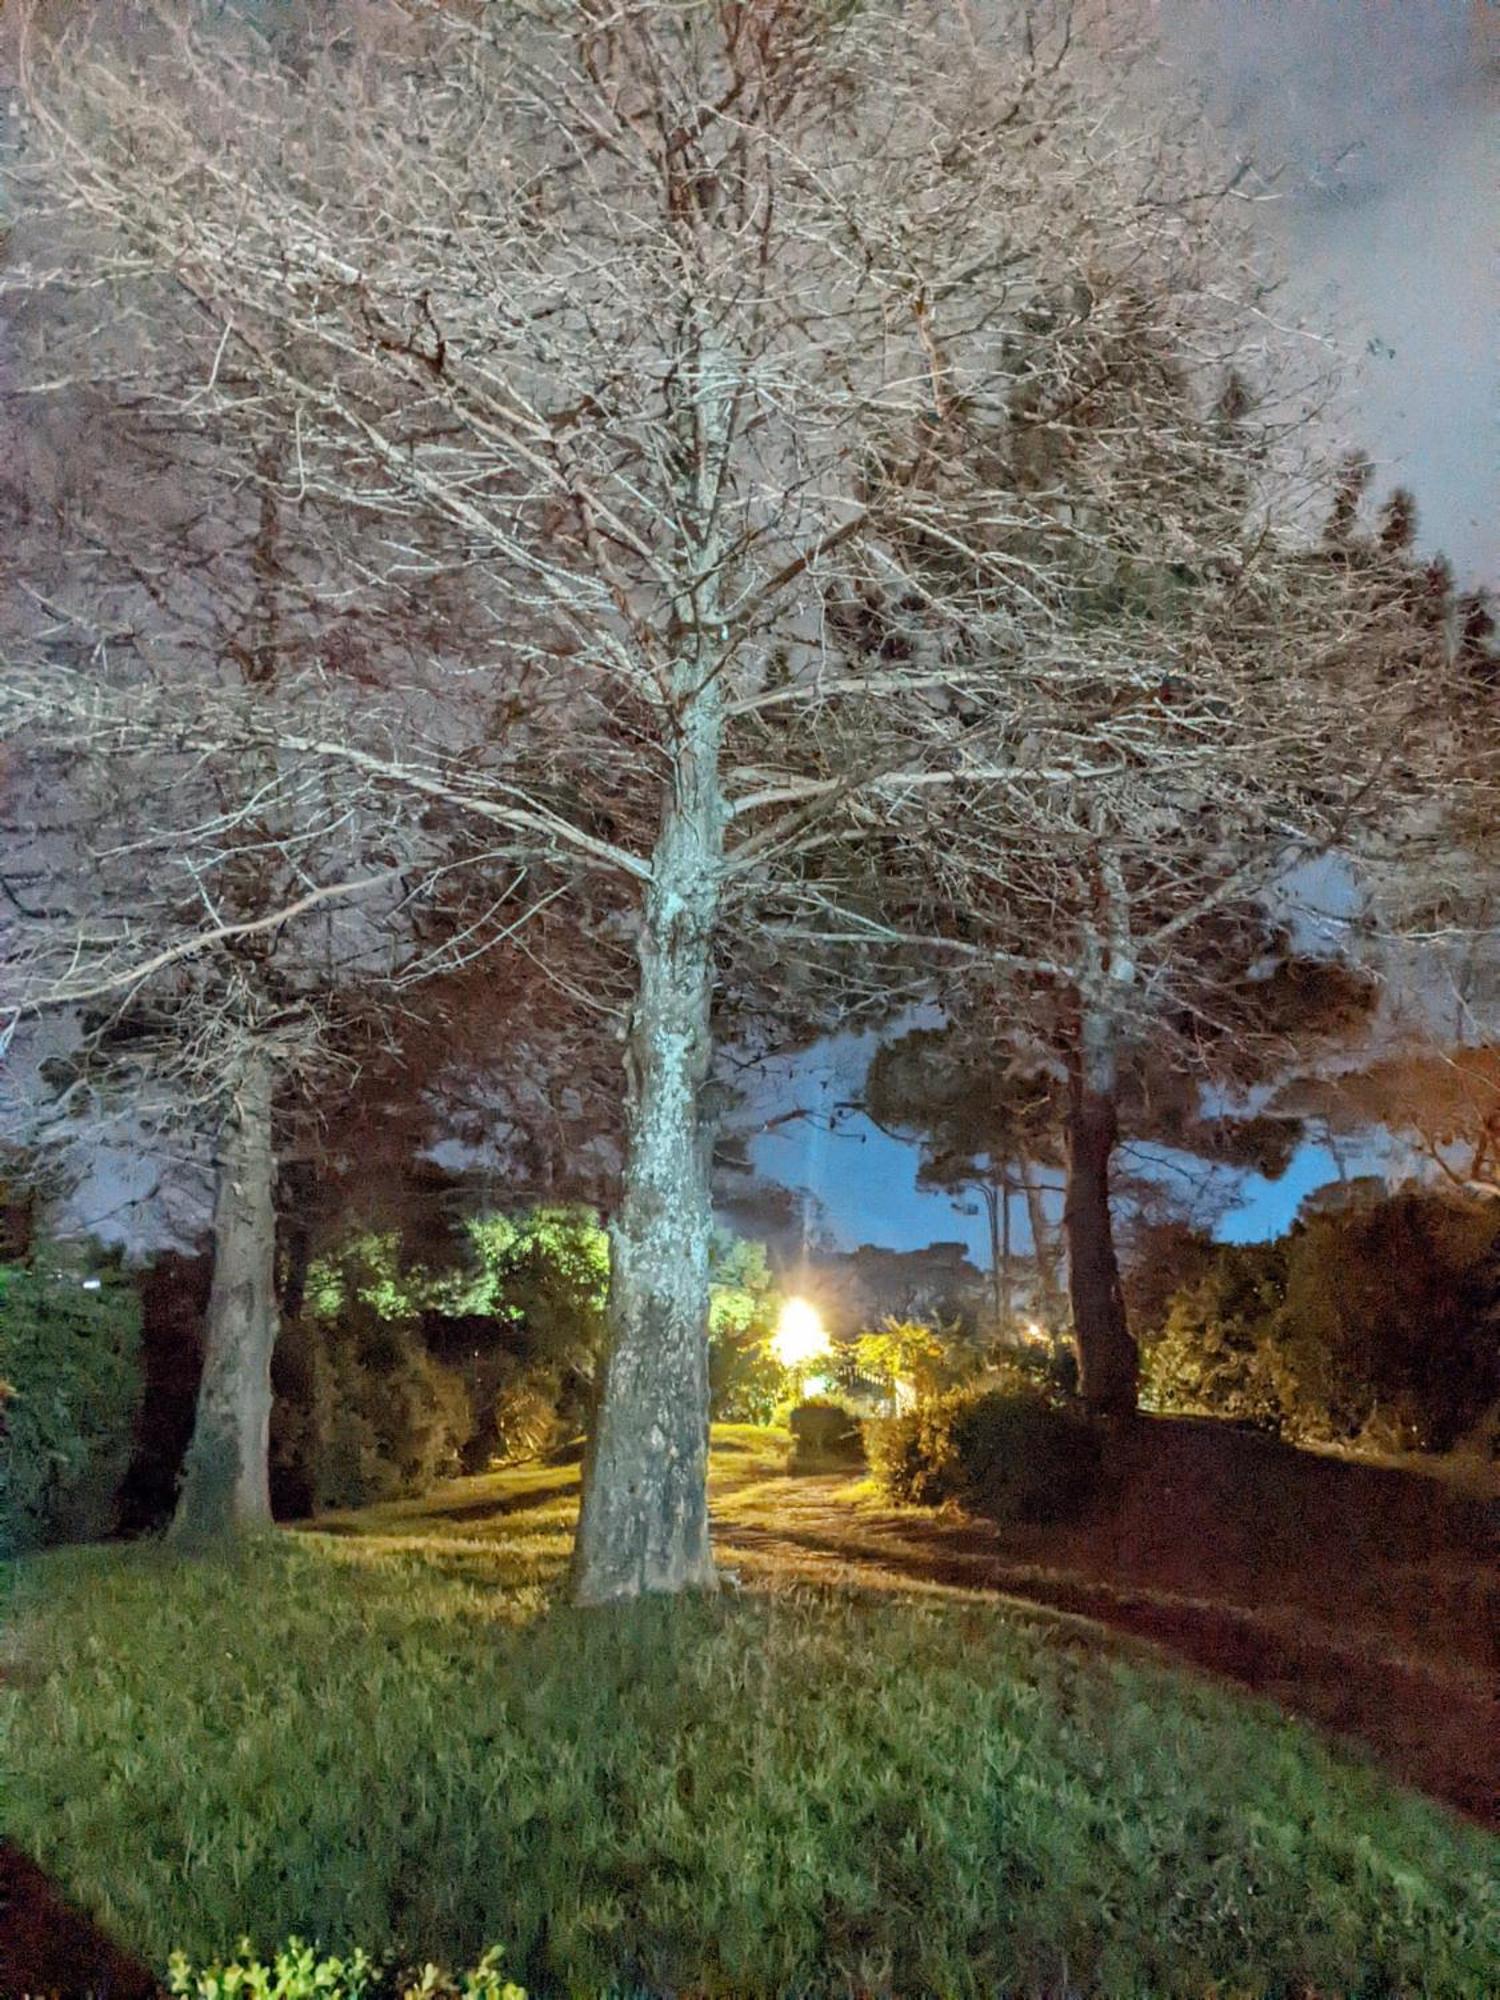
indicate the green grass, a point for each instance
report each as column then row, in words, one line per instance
column 394, row 1736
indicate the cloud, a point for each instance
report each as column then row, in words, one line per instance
column 1376, row 120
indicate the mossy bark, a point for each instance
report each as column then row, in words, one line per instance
column 225, row 1485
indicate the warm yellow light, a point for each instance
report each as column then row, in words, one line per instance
column 1034, row 1330
column 799, row 1336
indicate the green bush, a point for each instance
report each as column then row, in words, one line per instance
column 297, row 1972
column 526, row 1418
column 70, row 1386
column 1017, row 1457
column 363, row 1412
column 1218, row 1352
column 1374, row 1326
column 746, row 1383
column 824, row 1433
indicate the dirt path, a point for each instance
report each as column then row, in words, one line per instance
column 1367, row 1603
column 47, row 1949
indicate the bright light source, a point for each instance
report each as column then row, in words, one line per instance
column 93, row 1284
column 1034, row 1330
column 799, row 1336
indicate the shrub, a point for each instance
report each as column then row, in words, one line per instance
column 1217, row 1352
column 1018, row 1457
column 363, row 1412
column 526, row 1418
column 746, row 1383
column 1389, row 1330
column 1373, row 1326
column 298, row 1973
column 1050, row 1373
column 917, row 1355
column 70, row 1386
column 824, row 1433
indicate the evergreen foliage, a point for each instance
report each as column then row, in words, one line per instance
column 1376, row 1325
column 1015, row 1455
column 70, row 1386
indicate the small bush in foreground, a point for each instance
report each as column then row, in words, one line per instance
column 1019, row 1457
column 70, row 1383
column 824, row 1433
column 298, row 1973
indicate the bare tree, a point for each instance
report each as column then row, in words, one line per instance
column 226, row 922
column 742, row 351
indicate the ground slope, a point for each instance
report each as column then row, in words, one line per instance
column 881, row 1781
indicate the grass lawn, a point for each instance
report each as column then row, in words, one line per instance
column 389, row 1732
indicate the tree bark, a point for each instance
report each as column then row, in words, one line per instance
column 225, row 1485
column 1007, row 1288
column 644, row 1522
column 1108, row 1364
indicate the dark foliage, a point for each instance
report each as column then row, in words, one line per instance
column 363, row 1412
column 1018, row 1456
column 1376, row 1324
column 174, row 1301
column 70, row 1382
column 823, row 1434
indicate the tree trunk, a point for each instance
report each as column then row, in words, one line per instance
column 225, row 1485
column 1107, row 1359
column 1041, row 1243
column 643, row 1525
column 1007, row 1287
column 644, row 1522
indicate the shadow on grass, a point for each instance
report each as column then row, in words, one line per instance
column 1433, row 1730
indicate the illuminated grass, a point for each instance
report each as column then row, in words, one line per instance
column 391, row 1735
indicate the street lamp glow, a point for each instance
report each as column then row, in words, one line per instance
column 799, row 1336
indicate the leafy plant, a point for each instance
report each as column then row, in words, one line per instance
column 1375, row 1325
column 747, row 1384
column 297, row 1972
column 911, row 1353
column 1018, row 1457
column 70, row 1385
column 363, row 1412
column 824, row 1433
column 1216, row 1354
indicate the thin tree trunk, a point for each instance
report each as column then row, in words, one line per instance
column 1007, row 1317
column 225, row 1486
column 1041, row 1241
column 1107, row 1359
column 991, row 1198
